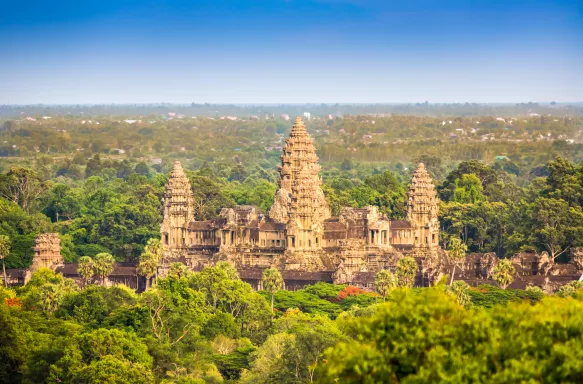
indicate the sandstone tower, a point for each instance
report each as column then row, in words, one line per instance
column 300, row 201
column 47, row 251
column 422, row 209
column 178, row 208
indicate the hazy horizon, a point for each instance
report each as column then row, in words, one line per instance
column 276, row 104
column 291, row 52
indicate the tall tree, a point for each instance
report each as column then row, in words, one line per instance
column 384, row 282
column 406, row 271
column 555, row 226
column 147, row 266
column 484, row 173
column 456, row 254
column 150, row 259
column 178, row 270
column 103, row 265
column 85, row 268
column 22, row 186
column 460, row 290
column 468, row 189
column 272, row 282
column 503, row 273
column 4, row 251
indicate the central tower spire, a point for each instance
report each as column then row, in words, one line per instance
column 299, row 195
column 300, row 203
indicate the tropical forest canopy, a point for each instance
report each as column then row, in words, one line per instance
column 211, row 327
column 505, row 183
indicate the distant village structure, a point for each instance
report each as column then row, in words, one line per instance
column 301, row 238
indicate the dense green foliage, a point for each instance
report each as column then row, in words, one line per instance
column 428, row 337
column 210, row 327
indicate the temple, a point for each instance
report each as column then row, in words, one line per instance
column 298, row 235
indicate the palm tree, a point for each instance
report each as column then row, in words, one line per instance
column 103, row 265
column 406, row 271
column 460, row 290
column 147, row 266
column 272, row 282
column 503, row 273
column 178, row 270
column 154, row 246
column 456, row 253
column 384, row 282
column 85, row 268
column 4, row 251
column 150, row 259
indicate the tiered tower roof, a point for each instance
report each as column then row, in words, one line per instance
column 422, row 198
column 300, row 193
column 178, row 188
column 178, row 207
column 47, row 251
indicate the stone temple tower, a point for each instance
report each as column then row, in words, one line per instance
column 422, row 209
column 178, row 206
column 47, row 252
column 300, row 202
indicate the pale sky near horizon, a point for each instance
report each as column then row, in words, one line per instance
column 290, row 51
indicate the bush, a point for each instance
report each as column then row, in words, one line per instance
column 488, row 296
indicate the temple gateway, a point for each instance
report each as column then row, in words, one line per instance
column 298, row 235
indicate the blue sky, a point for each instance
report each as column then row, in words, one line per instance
column 290, row 51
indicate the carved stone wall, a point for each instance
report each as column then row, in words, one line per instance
column 422, row 209
column 178, row 206
column 47, row 251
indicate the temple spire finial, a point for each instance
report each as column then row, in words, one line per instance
column 299, row 128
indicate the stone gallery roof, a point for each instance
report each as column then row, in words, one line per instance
column 334, row 225
column 270, row 225
column 307, row 276
column 363, row 278
column 250, row 273
column 201, row 225
column 119, row 269
column 400, row 224
column 257, row 274
column 15, row 273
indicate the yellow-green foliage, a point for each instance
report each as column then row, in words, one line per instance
column 427, row 337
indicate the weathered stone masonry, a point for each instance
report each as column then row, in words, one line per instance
column 298, row 233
